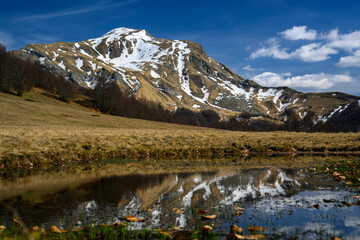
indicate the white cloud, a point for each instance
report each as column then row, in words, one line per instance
column 6, row 39
column 299, row 33
column 314, row 52
column 76, row 11
column 346, row 41
column 331, row 36
column 350, row 61
column 318, row 81
column 274, row 50
column 249, row 68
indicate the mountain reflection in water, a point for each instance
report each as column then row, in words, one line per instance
column 283, row 198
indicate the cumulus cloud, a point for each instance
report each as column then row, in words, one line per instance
column 323, row 45
column 299, row 33
column 249, row 68
column 350, row 61
column 273, row 50
column 314, row 52
column 347, row 42
column 330, row 36
column 320, row 81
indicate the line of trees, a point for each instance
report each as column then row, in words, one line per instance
column 109, row 98
column 18, row 76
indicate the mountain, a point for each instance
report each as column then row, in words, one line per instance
column 179, row 74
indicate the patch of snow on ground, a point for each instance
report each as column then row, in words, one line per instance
column 42, row 60
column 62, row 65
column 90, row 83
column 79, row 63
column 196, row 106
column 154, row 74
column 145, row 49
column 325, row 119
column 85, row 53
column 344, row 108
column 277, row 96
column 264, row 95
column 182, row 49
column 77, row 45
column 282, row 106
column 55, row 56
column 237, row 91
column 300, row 115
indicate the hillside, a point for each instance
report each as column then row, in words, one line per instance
column 179, row 74
column 37, row 129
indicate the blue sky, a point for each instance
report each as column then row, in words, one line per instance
column 307, row 45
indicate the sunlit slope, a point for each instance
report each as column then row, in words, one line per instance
column 37, row 129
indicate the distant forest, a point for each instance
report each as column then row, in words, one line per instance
column 18, row 76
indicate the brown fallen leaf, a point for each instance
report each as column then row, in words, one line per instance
column 2, row 228
column 55, row 229
column 239, row 208
column 176, row 228
column 350, row 204
column 348, row 183
column 256, row 237
column 17, row 221
column 207, row 228
column 202, row 211
column 178, row 210
column 257, row 229
column 134, row 219
column 35, row 228
column 208, row 216
column 358, row 197
column 317, row 206
column 336, row 174
column 77, row 229
column 149, row 210
column 43, row 231
column 239, row 213
column 121, row 224
column 166, row 234
column 234, row 236
column 235, row 229
column 343, row 178
column 237, row 236
column 335, row 238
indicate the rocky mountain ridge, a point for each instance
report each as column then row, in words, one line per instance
column 179, row 74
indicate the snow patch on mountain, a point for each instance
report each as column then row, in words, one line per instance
column 79, row 63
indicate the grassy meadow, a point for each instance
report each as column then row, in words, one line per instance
column 37, row 129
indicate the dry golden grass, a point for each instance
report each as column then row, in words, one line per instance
column 47, row 131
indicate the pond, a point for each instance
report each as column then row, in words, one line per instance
column 286, row 201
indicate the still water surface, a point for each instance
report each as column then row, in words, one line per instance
column 285, row 200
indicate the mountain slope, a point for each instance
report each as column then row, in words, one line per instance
column 176, row 74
